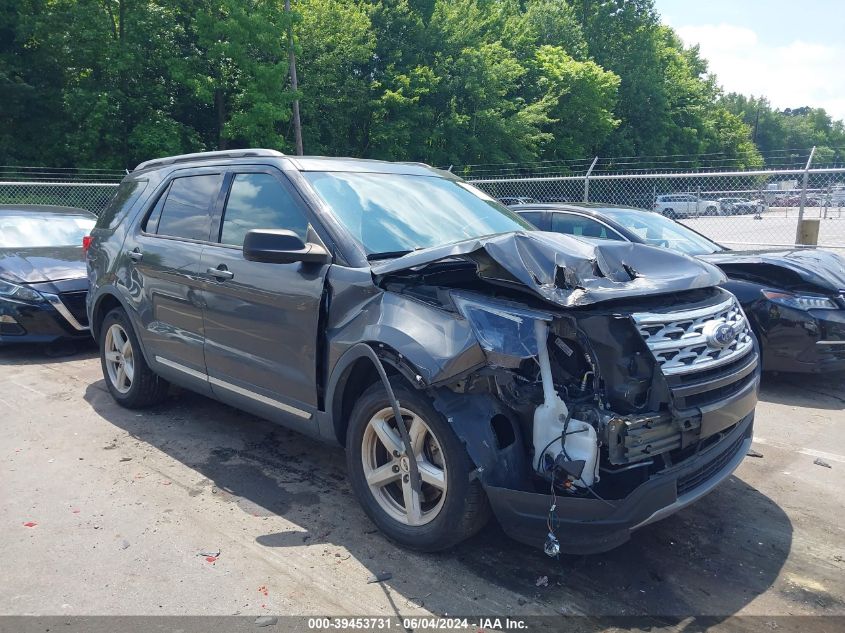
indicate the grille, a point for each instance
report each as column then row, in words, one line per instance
column 75, row 304
column 682, row 342
column 697, row 477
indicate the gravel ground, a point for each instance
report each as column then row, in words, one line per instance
column 195, row 508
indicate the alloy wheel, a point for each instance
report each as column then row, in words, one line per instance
column 387, row 467
column 120, row 358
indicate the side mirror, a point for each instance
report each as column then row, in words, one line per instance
column 276, row 246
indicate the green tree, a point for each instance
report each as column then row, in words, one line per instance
column 106, row 69
column 783, row 136
column 30, row 104
column 583, row 96
column 233, row 61
column 336, row 45
column 108, row 83
column 447, row 90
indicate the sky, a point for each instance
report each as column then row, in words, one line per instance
column 793, row 53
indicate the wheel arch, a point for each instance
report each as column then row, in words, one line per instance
column 491, row 434
column 104, row 303
column 107, row 300
column 353, row 373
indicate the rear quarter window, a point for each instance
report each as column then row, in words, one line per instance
column 127, row 194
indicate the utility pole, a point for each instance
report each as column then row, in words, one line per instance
column 799, row 230
column 756, row 124
column 294, row 84
column 587, row 180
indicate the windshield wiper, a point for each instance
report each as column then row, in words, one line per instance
column 386, row 255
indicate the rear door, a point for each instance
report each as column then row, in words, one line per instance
column 164, row 262
column 261, row 320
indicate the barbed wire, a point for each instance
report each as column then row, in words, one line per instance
column 59, row 174
column 785, row 158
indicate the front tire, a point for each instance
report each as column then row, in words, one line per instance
column 448, row 509
column 670, row 213
column 129, row 379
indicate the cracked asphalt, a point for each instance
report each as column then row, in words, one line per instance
column 195, row 508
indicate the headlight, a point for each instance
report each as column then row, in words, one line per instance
column 501, row 328
column 801, row 302
column 21, row 293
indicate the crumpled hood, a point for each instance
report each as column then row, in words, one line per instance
column 568, row 271
column 37, row 265
column 821, row 268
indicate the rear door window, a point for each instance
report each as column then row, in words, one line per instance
column 260, row 201
column 535, row 217
column 185, row 209
column 582, row 227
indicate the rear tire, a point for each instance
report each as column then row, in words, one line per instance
column 450, row 511
column 129, row 379
column 670, row 213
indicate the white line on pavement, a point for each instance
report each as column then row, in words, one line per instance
column 804, row 451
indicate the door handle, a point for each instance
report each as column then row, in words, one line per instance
column 221, row 274
column 135, row 255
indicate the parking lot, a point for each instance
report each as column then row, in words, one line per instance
column 774, row 227
column 195, row 508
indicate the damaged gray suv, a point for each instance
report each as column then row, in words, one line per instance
column 469, row 363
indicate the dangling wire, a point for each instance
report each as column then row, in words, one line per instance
column 552, row 545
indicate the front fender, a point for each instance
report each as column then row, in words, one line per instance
column 438, row 345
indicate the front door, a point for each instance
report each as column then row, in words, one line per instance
column 261, row 320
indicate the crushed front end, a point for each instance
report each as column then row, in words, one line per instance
column 588, row 422
column 672, row 410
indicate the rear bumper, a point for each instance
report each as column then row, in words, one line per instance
column 586, row 526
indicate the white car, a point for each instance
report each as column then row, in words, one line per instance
column 740, row 206
column 681, row 205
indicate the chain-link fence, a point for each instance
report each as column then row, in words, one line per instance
column 736, row 208
column 89, row 189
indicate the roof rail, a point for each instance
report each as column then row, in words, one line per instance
column 198, row 156
column 415, row 162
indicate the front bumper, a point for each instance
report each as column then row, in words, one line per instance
column 803, row 341
column 60, row 316
column 587, row 526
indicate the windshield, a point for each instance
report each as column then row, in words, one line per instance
column 657, row 230
column 34, row 231
column 391, row 214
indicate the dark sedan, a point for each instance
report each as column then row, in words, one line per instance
column 43, row 279
column 794, row 299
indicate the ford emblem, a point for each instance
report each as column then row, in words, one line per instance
column 719, row 334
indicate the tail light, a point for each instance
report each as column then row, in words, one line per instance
column 86, row 242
